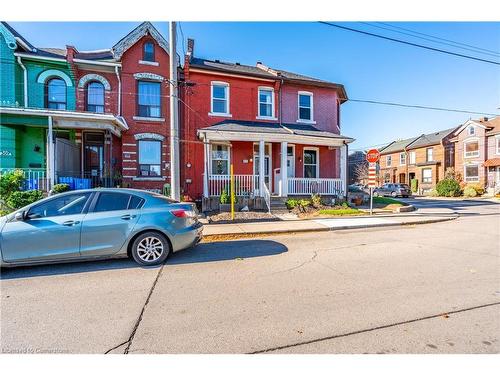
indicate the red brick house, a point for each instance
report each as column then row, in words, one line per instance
column 280, row 131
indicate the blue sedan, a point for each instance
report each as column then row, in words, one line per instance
column 96, row 224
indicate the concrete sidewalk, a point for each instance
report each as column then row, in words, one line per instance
column 422, row 216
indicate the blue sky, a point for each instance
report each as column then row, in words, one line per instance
column 369, row 68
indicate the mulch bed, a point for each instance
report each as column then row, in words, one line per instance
column 241, row 217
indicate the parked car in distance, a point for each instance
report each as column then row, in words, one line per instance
column 96, row 224
column 393, row 190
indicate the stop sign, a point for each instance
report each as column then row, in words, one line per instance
column 372, row 156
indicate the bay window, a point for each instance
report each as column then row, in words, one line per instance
column 149, row 99
column 305, row 106
column 471, row 173
column 220, row 98
column 471, row 149
column 220, row 159
column 266, row 102
column 149, row 158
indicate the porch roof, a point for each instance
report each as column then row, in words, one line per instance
column 73, row 119
column 237, row 130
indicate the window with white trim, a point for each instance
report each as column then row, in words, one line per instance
column 149, row 158
column 266, row 102
column 427, row 175
column 220, row 159
column 310, row 163
column 471, row 130
column 402, row 158
column 471, row 173
column 388, row 160
column 429, row 154
column 497, row 140
column 305, row 106
column 220, row 98
column 471, row 149
column 413, row 157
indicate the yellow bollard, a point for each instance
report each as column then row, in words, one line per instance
column 232, row 191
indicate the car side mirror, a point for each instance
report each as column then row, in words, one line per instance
column 20, row 216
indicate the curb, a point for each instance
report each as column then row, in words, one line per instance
column 231, row 236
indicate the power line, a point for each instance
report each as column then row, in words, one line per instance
column 409, row 43
column 436, row 37
column 430, row 40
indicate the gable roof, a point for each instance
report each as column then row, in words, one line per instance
column 430, row 139
column 145, row 28
column 396, row 146
column 19, row 39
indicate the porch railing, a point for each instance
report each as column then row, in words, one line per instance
column 34, row 178
column 308, row 186
column 78, row 180
column 244, row 184
column 267, row 198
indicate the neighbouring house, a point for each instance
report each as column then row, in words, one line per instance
column 477, row 152
column 280, row 131
column 424, row 158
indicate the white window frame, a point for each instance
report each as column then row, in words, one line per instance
column 402, row 154
column 423, row 180
column 469, row 128
column 473, row 179
column 473, row 154
column 304, row 164
column 497, row 144
column 388, row 160
column 305, row 121
column 228, row 157
column 259, row 116
column 227, row 88
column 412, row 156
column 427, row 154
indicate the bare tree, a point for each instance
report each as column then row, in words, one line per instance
column 361, row 172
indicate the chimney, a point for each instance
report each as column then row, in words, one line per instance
column 70, row 53
column 187, row 58
column 190, row 48
column 483, row 119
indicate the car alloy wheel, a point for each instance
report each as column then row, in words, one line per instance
column 394, row 194
column 150, row 248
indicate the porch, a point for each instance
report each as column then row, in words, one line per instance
column 270, row 160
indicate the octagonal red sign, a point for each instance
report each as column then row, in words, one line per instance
column 373, row 156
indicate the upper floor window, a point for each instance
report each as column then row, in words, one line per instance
column 95, row 97
column 305, row 106
column 266, row 102
column 149, row 99
column 429, row 154
column 471, row 149
column 148, row 53
column 402, row 158
column 220, row 98
column 55, row 93
column 497, row 140
column 413, row 157
column 471, row 130
column 388, row 160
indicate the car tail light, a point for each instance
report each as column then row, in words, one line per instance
column 179, row 213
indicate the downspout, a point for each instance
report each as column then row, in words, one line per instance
column 25, row 81
column 119, row 91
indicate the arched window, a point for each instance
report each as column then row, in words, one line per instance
column 148, row 51
column 55, row 93
column 95, row 97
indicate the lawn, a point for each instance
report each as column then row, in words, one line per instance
column 341, row 212
column 385, row 200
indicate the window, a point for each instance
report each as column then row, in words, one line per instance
column 306, row 106
column 56, row 93
column 471, row 173
column 95, row 97
column 412, row 157
column 471, row 130
column 266, row 102
column 148, row 53
column 72, row 204
column 117, row 201
column 149, row 99
column 427, row 175
column 497, row 140
column 471, row 149
column 388, row 160
column 220, row 98
column 402, row 158
column 149, row 158
column 310, row 164
column 220, row 159
column 429, row 154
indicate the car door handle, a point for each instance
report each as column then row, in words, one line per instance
column 70, row 223
column 127, row 217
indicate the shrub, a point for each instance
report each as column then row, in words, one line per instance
column 291, row 203
column 452, row 174
column 433, row 193
column 477, row 187
column 316, row 200
column 448, row 188
column 59, row 188
column 19, row 199
column 414, row 185
column 469, row 192
column 224, row 197
column 10, row 182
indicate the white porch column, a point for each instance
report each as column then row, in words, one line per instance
column 343, row 170
column 262, row 178
column 284, row 169
column 206, row 159
column 51, row 173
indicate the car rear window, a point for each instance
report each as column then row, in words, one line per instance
column 117, row 201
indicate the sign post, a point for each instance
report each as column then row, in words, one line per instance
column 372, row 157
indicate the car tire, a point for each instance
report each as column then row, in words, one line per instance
column 394, row 194
column 150, row 249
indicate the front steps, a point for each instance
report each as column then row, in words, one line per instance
column 278, row 205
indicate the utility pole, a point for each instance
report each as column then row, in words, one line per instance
column 174, row 118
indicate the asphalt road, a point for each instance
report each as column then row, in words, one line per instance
column 432, row 288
